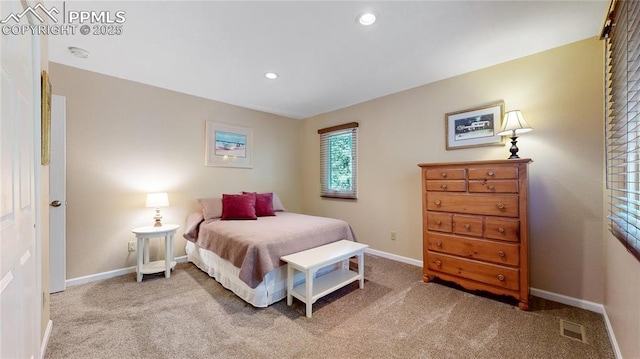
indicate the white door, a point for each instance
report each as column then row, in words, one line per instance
column 57, row 193
column 19, row 126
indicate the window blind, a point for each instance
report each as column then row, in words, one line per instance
column 338, row 161
column 622, row 34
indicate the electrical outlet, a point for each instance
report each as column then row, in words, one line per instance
column 393, row 236
column 132, row 246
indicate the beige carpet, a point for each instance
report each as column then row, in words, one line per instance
column 396, row 315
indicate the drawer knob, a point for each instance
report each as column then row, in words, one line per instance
column 438, row 222
column 438, row 263
column 444, row 186
column 491, row 187
column 444, row 174
column 501, row 230
column 500, row 205
column 467, row 226
column 500, row 277
column 490, row 173
column 438, row 243
column 437, row 202
column 501, row 254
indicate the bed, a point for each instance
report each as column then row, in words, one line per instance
column 244, row 255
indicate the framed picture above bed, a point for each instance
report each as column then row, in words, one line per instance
column 227, row 145
column 474, row 127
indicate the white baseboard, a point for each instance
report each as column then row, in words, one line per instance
column 394, row 257
column 574, row 302
column 612, row 336
column 118, row 272
column 110, row 274
column 45, row 339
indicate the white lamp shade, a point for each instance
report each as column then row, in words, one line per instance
column 513, row 124
column 157, row 200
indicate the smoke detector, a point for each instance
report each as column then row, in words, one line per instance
column 78, row 52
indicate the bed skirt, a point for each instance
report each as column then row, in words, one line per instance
column 272, row 289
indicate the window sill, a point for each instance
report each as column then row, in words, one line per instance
column 339, row 196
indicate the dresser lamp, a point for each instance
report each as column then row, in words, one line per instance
column 157, row 200
column 512, row 125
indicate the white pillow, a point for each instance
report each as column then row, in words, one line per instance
column 277, row 204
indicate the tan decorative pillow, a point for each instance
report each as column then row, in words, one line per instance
column 211, row 207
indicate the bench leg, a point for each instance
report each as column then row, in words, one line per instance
column 345, row 264
column 309, row 291
column 361, row 269
column 289, row 284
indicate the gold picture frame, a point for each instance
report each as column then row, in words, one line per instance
column 46, row 119
column 474, row 127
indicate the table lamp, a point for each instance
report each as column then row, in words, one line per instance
column 513, row 124
column 157, row 200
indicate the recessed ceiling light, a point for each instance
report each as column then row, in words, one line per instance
column 271, row 75
column 367, row 18
column 78, row 52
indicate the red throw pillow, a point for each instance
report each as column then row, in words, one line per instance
column 239, row 206
column 264, row 204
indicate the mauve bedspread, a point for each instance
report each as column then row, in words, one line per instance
column 256, row 246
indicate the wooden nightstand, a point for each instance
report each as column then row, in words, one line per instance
column 143, row 234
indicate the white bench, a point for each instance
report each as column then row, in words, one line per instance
column 310, row 260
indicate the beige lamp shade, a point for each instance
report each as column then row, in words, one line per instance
column 157, row 200
column 513, row 124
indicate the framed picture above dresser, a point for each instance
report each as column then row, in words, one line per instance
column 475, row 222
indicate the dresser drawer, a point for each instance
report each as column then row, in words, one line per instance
column 439, row 222
column 480, row 249
column 506, row 229
column 493, row 274
column 447, row 186
column 484, row 204
column 491, row 173
column 467, row 225
column 442, row 174
column 493, row 186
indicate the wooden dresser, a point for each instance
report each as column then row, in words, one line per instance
column 476, row 227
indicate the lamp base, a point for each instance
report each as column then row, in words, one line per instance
column 157, row 217
column 514, row 148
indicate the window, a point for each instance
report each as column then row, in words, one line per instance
column 622, row 34
column 338, row 161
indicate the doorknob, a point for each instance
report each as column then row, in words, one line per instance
column 56, row 203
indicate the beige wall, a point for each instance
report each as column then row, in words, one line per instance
column 560, row 93
column 125, row 139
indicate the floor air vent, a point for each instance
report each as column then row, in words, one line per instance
column 572, row 330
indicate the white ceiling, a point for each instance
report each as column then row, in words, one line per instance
column 325, row 59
